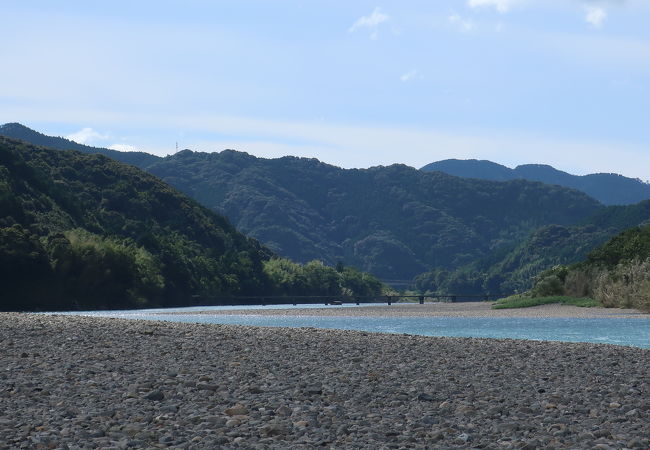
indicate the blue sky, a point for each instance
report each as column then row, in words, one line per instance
column 352, row 83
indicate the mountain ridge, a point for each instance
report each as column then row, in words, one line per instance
column 392, row 221
column 608, row 188
column 19, row 131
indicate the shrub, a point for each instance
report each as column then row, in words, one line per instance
column 550, row 282
column 625, row 286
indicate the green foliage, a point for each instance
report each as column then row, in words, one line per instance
column 24, row 269
column 315, row 278
column 550, row 282
column 102, row 272
column 394, row 222
column 631, row 244
column 82, row 231
column 90, row 232
column 515, row 269
column 617, row 274
column 523, row 301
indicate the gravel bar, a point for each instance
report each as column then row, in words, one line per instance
column 460, row 309
column 79, row 382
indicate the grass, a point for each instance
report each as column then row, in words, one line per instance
column 519, row 301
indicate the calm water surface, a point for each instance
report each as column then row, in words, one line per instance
column 619, row 331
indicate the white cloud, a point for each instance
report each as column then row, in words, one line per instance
column 371, row 22
column 408, row 76
column 595, row 16
column 85, row 136
column 461, row 23
column 503, row 6
column 123, row 148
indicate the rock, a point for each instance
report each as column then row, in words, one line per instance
column 635, row 443
column 298, row 388
column 237, row 410
column 284, row 411
column 273, row 429
column 155, row 395
column 232, row 423
column 314, row 390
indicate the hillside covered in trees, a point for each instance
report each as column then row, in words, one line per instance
column 85, row 231
column 607, row 188
column 394, row 222
column 514, row 269
column 616, row 274
column 460, row 235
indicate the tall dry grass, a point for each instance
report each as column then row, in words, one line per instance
column 625, row 286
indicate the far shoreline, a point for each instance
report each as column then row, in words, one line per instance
column 443, row 309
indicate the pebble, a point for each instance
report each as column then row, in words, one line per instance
column 111, row 383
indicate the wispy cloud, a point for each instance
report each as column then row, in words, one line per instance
column 411, row 75
column 370, row 22
column 461, row 23
column 123, row 148
column 503, row 6
column 595, row 16
column 86, row 136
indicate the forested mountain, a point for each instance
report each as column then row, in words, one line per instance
column 608, row 188
column 85, row 231
column 394, row 222
column 514, row 269
column 18, row 131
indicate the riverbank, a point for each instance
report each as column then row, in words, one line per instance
column 92, row 382
column 460, row 309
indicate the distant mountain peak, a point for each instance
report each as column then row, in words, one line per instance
column 608, row 188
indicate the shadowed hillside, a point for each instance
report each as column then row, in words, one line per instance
column 515, row 269
column 608, row 188
column 395, row 221
column 392, row 221
column 86, row 231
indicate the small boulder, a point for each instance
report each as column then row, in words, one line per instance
column 155, row 396
column 237, row 410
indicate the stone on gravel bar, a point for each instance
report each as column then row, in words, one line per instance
column 115, row 383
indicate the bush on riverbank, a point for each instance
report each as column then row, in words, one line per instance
column 522, row 301
column 616, row 275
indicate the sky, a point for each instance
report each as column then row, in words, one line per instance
column 352, row 83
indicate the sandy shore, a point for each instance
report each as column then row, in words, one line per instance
column 79, row 382
column 467, row 309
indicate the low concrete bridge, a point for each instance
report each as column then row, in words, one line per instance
column 340, row 299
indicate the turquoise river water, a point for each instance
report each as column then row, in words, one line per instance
column 618, row 331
